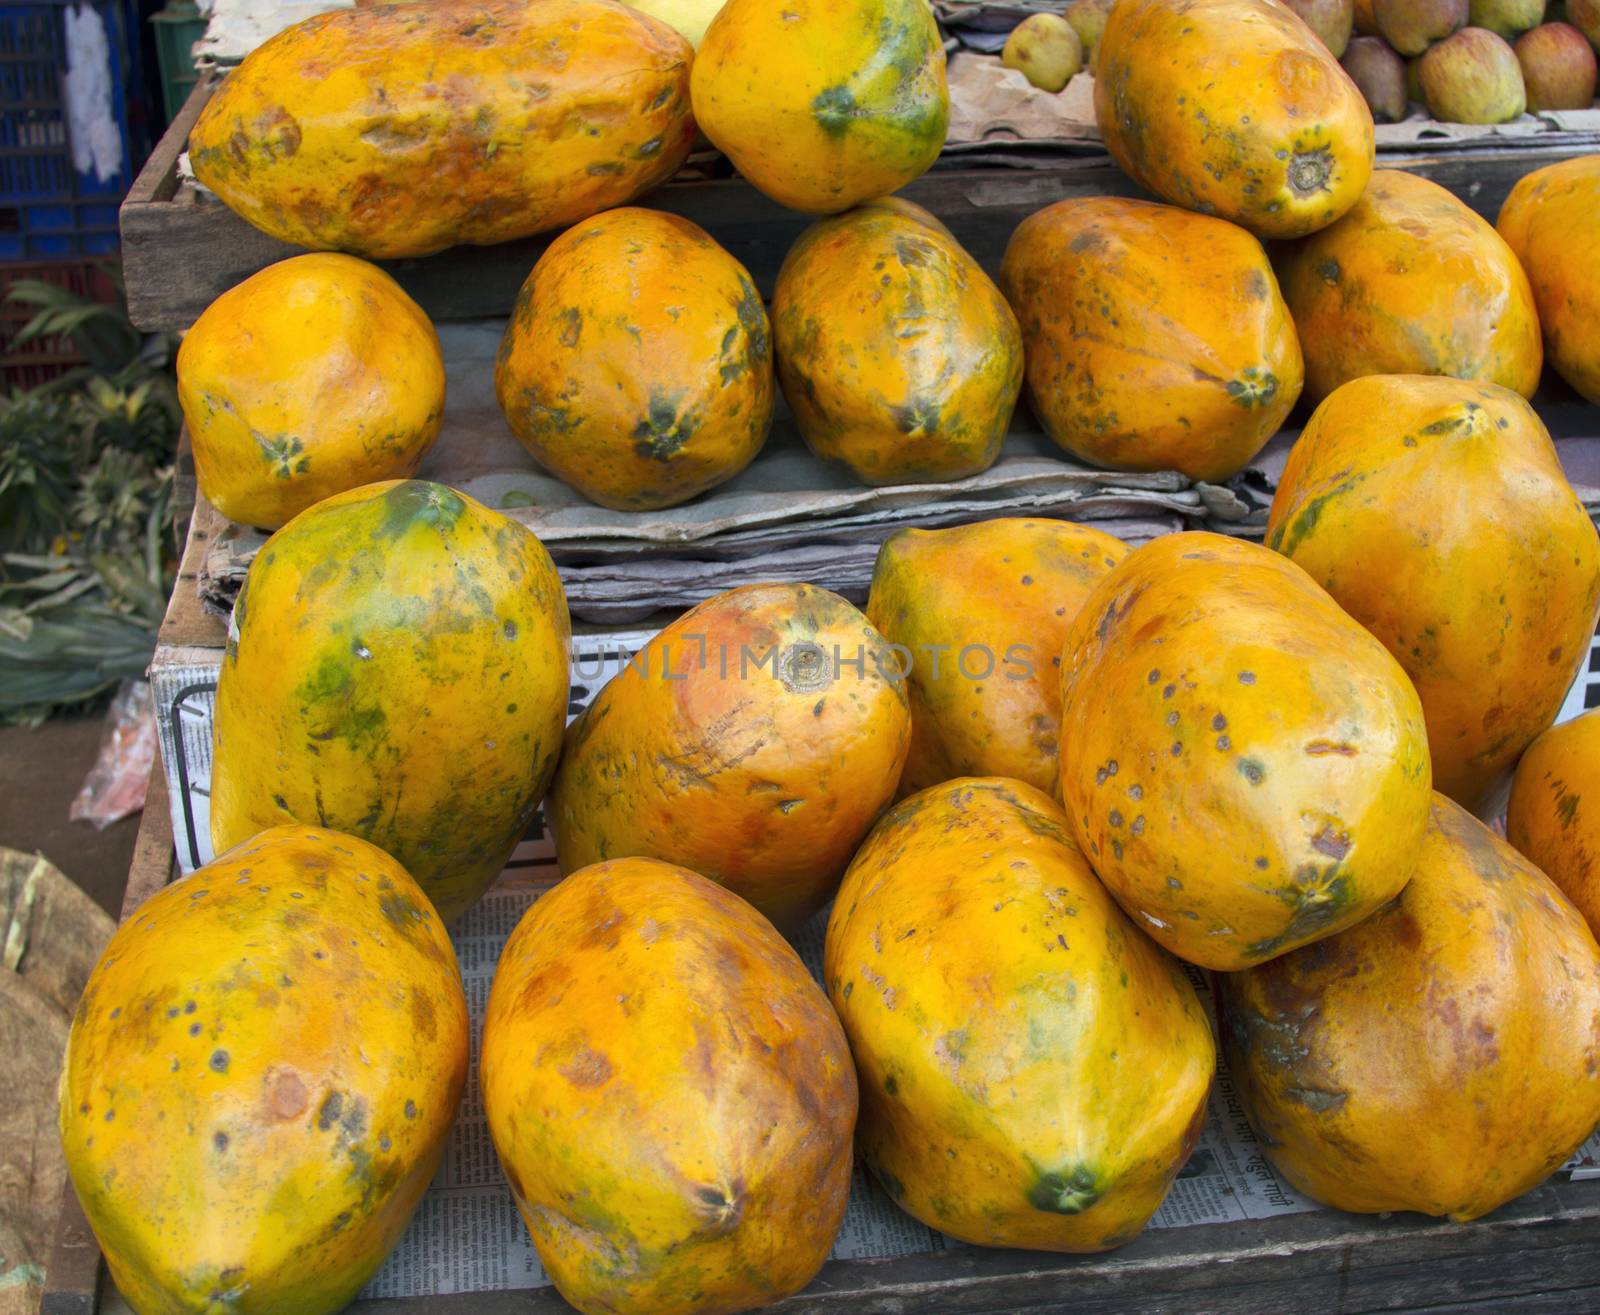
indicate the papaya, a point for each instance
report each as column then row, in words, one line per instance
column 979, row 613
column 1437, row 514
column 261, row 1077
column 1551, row 221
column 1411, row 281
column 316, row 375
column 1232, row 108
column 897, row 354
column 822, row 104
column 396, row 667
column 1547, row 819
column 670, row 1095
column 1245, row 767
column 637, row 363
column 754, row 741
column 1155, row 339
column 1464, row 1014
column 399, row 130
column 1033, row 1070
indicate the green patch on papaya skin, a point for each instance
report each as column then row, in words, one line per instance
column 1289, row 534
column 663, row 431
column 418, row 502
column 1066, row 1192
column 1567, row 810
column 1318, row 900
column 285, row 454
column 1254, row 387
column 571, row 326
column 834, row 109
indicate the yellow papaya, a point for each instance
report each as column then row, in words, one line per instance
column 1033, row 1070
column 1551, row 221
column 980, row 613
column 397, row 667
column 1547, row 818
column 1411, row 281
column 1437, row 514
column 754, row 740
column 671, row 1097
column 314, row 376
column 261, row 1077
column 823, row 103
column 1232, row 108
column 399, row 130
column 637, row 364
column 897, row 354
column 1244, row 765
column 1465, row 1014
column 1156, row 339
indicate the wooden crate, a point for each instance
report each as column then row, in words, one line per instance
column 180, row 251
column 1539, row 1255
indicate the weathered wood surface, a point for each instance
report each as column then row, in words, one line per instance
column 72, row 1283
column 179, row 252
column 1539, row 1255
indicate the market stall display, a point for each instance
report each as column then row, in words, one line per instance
column 1018, row 988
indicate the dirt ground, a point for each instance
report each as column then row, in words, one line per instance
column 40, row 773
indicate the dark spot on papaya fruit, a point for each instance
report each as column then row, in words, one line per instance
column 1261, row 862
column 663, row 431
column 219, row 1061
column 1168, row 691
column 1331, row 841
column 1247, row 678
column 1321, row 748
column 411, row 1109
column 1068, row 1192
column 1322, row 1102
column 1328, row 272
column 571, row 326
column 220, row 1140
column 1224, row 743
column 587, row 1068
column 1317, row 899
column 1567, row 809
column 647, row 150
column 329, row 1111
column 891, row 1086
column 194, row 1029
column 286, row 1096
column 1252, row 771
column 1219, row 723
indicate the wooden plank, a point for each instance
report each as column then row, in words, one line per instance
column 186, row 623
column 179, row 252
column 72, row 1280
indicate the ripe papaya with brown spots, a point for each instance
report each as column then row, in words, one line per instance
column 754, row 740
column 1033, row 1070
column 823, row 103
column 1156, row 339
column 261, row 1077
column 1469, row 1006
column 1554, row 814
column 1233, row 108
column 637, row 364
column 979, row 613
column 1437, row 514
column 397, row 667
column 1244, row 765
column 1411, row 281
column 1551, row 221
column 671, row 1097
column 399, row 130
column 314, row 376
column 897, row 353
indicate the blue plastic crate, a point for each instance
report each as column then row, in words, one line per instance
column 47, row 208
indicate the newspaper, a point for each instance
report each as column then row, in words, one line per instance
column 467, row 1237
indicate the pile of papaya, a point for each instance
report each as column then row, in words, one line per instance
column 1031, row 788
